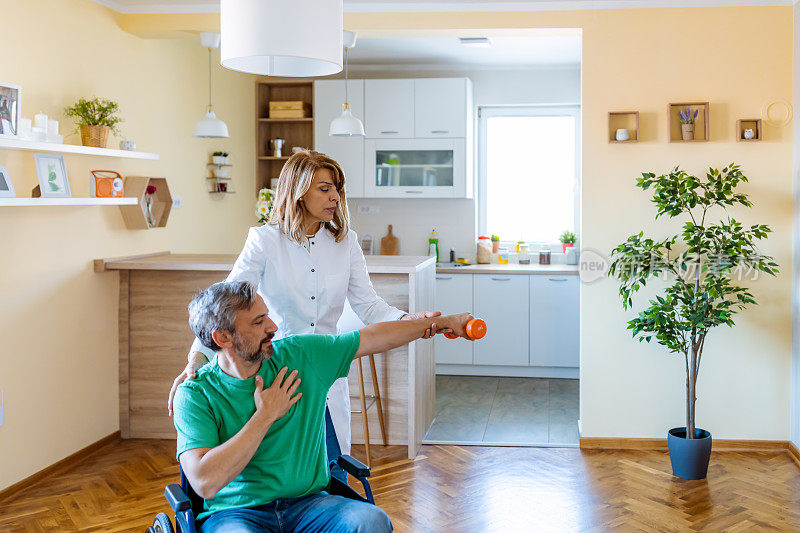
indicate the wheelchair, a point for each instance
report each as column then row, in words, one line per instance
column 187, row 504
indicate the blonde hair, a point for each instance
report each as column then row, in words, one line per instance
column 288, row 213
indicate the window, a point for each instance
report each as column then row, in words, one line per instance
column 529, row 161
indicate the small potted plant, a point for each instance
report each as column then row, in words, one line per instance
column 95, row 118
column 687, row 123
column 567, row 239
column 495, row 244
column 219, row 158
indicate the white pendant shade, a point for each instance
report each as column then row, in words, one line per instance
column 211, row 127
column 346, row 125
column 296, row 38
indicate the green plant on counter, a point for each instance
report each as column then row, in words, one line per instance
column 567, row 237
column 95, row 112
column 495, row 238
column 702, row 261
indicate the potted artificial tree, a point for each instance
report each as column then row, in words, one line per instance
column 95, row 118
column 567, row 239
column 703, row 263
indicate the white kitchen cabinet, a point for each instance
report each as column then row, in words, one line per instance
column 441, row 107
column 415, row 168
column 329, row 96
column 453, row 295
column 389, row 109
column 502, row 301
column 554, row 321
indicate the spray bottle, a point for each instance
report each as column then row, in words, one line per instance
column 433, row 245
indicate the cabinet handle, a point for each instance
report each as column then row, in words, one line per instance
column 444, row 277
column 440, row 131
column 413, row 192
column 501, row 279
column 389, row 131
column 557, row 279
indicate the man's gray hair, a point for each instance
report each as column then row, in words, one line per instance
column 216, row 308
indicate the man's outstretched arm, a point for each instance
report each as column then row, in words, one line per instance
column 384, row 336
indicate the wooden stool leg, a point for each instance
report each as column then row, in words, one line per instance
column 364, row 419
column 377, row 397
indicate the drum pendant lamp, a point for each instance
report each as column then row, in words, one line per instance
column 346, row 125
column 210, row 127
column 298, row 38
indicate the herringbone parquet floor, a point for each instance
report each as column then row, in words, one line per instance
column 458, row 489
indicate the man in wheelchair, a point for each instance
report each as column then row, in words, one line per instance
column 251, row 426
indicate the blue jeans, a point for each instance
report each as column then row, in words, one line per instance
column 317, row 512
column 332, row 445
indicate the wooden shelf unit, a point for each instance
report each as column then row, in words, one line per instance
column 295, row 131
column 623, row 119
column 135, row 216
column 701, row 123
column 743, row 124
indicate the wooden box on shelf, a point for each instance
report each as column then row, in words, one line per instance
column 295, row 131
column 628, row 120
column 701, row 123
column 289, row 109
column 135, row 216
column 748, row 123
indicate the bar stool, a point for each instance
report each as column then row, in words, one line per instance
column 375, row 399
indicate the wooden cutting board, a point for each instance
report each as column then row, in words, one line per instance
column 389, row 244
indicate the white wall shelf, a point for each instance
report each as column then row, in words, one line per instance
column 22, row 144
column 32, row 202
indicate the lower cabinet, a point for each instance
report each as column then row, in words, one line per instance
column 502, row 301
column 532, row 319
column 453, row 295
column 555, row 321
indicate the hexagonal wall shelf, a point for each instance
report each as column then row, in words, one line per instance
column 135, row 216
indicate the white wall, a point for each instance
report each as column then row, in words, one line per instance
column 795, row 394
column 454, row 219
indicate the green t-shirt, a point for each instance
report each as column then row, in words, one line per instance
column 291, row 461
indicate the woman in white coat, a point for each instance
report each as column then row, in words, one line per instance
column 305, row 262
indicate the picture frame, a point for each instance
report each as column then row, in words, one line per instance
column 52, row 173
column 10, row 109
column 6, row 187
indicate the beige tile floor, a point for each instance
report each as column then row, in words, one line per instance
column 499, row 410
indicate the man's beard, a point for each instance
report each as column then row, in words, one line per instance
column 251, row 352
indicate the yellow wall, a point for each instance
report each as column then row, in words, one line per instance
column 642, row 59
column 58, row 318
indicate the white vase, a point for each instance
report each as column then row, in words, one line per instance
column 623, row 134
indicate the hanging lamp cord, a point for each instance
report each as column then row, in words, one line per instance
column 346, row 101
column 209, row 79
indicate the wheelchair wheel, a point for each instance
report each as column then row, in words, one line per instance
column 162, row 524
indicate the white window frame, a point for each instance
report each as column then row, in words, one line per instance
column 486, row 112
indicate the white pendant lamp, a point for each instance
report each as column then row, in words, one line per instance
column 210, row 127
column 296, row 38
column 346, row 125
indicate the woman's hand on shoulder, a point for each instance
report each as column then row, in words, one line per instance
column 431, row 331
column 196, row 361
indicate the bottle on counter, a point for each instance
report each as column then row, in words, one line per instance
column 484, row 252
column 523, row 258
column 502, row 256
column 433, row 245
column 452, row 255
column 544, row 256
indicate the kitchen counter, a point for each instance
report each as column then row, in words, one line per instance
column 511, row 268
column 154, row 338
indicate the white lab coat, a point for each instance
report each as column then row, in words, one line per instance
column 305, row 291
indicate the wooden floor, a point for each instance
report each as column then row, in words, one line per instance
column 458, row 489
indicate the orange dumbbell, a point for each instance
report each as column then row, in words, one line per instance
column 476, row 329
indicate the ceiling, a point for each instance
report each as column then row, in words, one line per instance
column 437, row 52
column 212, row 6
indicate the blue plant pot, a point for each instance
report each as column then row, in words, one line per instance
column 689, row 457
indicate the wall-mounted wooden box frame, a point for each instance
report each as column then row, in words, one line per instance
column 135, row 216
column 623, row 119
column 745, row 123
column 701, row 124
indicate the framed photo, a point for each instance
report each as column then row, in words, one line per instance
column 52, row 173
column 6, row 188
column 9, row 109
